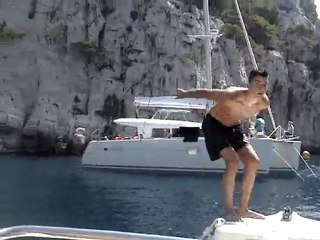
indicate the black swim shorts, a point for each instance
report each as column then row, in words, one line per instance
column 218, row 136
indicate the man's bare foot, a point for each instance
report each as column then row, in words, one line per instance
column 233, row 217
column 251, row 214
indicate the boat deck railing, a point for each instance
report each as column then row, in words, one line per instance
column 77, row 233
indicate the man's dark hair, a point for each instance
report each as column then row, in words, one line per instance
column 255, row 73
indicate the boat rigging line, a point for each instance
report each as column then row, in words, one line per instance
column 254, row 62
column 255, row 65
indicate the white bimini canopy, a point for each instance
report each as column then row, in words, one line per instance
column 172, row 102
column 155, row 123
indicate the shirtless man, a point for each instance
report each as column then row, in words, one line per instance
column 224, row 137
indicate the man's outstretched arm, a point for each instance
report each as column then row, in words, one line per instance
column 211, row 94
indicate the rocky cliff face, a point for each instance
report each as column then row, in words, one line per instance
column 80, row 63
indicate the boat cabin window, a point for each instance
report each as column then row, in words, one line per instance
column 160, row 115
column 160, row 133
column 180, row 115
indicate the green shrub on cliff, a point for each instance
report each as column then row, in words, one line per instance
column 195, row 56
column 262, row 31
column 8, row 34
column 234, row 31
column 260, row 22
column 297, row 41
column 271, row 15
column 299, row 30
column 90, row 45
column 311, row 43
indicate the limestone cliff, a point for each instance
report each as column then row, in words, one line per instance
column 80, row 63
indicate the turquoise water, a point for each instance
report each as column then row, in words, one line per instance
column 57, row 191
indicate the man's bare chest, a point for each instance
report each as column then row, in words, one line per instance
column 242, row 107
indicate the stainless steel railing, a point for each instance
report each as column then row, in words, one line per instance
column 77, row 233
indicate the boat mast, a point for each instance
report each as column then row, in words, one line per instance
column 207, row 43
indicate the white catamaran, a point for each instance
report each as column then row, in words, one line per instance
column 160, row 147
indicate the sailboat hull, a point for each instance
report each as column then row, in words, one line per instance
column 174, row 155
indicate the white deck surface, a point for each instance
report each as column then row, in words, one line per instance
column 298, row 228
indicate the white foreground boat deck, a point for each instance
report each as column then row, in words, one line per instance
column 272, row 228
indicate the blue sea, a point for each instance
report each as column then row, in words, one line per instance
column 57, row 191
